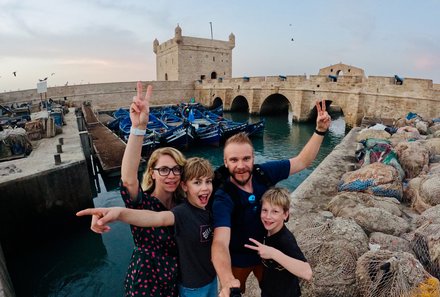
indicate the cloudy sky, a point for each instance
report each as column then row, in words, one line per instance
column 94, row 41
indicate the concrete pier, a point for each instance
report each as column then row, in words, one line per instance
column 109, row 148
column 40, row 195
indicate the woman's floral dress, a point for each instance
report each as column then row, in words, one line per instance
column 153, row 269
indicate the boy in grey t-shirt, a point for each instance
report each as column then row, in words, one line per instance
column 193, row 227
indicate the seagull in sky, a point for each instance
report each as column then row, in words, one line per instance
column 14, row 73
column 42, row 79
column 52, row 73
column 290, row 25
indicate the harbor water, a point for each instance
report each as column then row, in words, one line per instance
column 83, row 263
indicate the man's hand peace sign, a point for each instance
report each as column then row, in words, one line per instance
column 323, row 119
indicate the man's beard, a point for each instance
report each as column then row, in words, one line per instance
column 241, row 182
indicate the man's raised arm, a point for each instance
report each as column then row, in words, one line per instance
column 222, row 260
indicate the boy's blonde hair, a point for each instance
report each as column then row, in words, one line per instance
column 197, row 167
column 278, row 197
column 147, row 180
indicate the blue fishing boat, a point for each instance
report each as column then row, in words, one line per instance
column 114, row 125
column 170, row 119
column 150, row 143
column 181, row 125
column 208, row 135
column 207, row 132
column 152, row 138
column 254, row 129
column 218, row 110
column 181, row 136
column 124, row 125
column 14, row 117
column 121, row 112
column 180, row 132
column 227, row 127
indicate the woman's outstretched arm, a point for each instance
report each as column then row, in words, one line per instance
column 139, row 113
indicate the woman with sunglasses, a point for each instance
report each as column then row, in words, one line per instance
column 153, row 268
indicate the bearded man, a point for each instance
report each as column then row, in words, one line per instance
column 236, row 207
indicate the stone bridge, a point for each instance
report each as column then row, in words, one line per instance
column 345, row 88
column 381, row 98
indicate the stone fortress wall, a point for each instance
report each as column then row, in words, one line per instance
column 106, row 96
column 357, row 95
column 202, row 68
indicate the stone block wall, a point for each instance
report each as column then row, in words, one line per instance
column 108, row 96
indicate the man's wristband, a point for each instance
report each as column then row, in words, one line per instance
column 137, row 132
column 321, row 133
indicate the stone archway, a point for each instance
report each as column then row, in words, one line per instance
column 213, row 75
column 332, row 107
column 275, row 104
column 239, row 104
column 217, row 102
column 313, row 112
column 335, row 110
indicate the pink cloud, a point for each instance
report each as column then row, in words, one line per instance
column 426, row 62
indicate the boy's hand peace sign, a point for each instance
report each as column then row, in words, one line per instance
column 323, row 119
column 264, row 251
column 140, row 108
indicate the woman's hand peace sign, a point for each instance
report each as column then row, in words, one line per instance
column 140, row 108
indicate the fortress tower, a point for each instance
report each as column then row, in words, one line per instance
column 342, row 69
column 186, row 58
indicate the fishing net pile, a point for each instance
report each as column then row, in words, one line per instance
column 372, row 134
column 382, row 237
column 413, row 156
column 332, row 248
column 35, row 129
column 379, row 150
column 14, row 142
column 425, row 243
column 377, row 178
column 385, row 273
column 423, row 192
column 372, row 213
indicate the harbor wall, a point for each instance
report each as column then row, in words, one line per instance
column 45, row 200
column 39, row 197
column 106, row 96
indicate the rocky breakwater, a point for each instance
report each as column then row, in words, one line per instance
column 368, row 218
